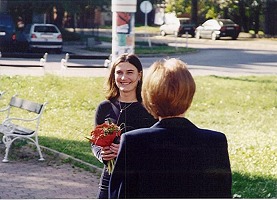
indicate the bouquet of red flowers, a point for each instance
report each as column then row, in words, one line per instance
column 104, row 135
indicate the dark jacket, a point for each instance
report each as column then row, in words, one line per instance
column 172, row 159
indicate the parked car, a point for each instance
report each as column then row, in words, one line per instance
column 42, row 36
column 7, row 32
column 177, row 27
column 217, row 28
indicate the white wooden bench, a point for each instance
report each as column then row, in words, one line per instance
column 21, row 122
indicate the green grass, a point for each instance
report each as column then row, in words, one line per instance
column 142, row 47
column 244, row 108
column 148, row 28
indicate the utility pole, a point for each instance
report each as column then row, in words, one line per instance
column 123, row 27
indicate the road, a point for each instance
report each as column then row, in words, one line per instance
column 245, row 56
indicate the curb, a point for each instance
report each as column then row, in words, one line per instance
column 64, row 156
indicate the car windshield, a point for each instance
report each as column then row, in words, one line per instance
column 44, row 29
column 185, row 21
column 226, row 21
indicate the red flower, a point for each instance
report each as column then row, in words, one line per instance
column 104, row 134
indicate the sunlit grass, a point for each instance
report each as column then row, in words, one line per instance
column 244, row 108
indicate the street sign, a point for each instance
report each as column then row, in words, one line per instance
column 146, row 7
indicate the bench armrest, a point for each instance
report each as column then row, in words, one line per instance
column 7, row 127
column 5, row 109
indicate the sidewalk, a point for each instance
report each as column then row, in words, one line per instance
column 24, row 177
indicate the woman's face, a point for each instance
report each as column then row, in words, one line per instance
column 127, row 77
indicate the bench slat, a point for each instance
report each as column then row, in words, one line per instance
column 26, row 104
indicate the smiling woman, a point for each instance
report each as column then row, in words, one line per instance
column 122, row 107
column 126, row 79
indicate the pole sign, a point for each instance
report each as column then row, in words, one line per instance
column 146, row 8
column 123, row 33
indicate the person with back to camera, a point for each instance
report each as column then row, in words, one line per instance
column 122, row 106
column 173, row 158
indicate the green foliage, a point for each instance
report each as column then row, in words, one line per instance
column 244, row 108
column 211, row 14
column 252, row 32
column 179, row 7
column 259, row 34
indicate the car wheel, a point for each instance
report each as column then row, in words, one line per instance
column 163, row 33
column 234, row 38
column 214, row 37
column 197, row 35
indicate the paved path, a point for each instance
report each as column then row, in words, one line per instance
column 24, row 177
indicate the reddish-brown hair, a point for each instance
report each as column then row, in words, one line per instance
column 168, row 88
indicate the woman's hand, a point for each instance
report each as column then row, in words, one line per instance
column 109, row 153
column 114, row 148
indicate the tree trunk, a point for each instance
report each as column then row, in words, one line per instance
column 194, row 8
column 243, row 21
column 257, row 19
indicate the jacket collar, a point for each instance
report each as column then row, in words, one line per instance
column 175, row 122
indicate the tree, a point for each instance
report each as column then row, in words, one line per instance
column 194, row 9
column 175, row 6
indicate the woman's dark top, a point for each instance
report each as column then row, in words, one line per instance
column 133, row 116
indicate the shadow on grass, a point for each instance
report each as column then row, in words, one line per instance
column 246, row 79
column 251, row 186
column 244, row 185
column 77, row 149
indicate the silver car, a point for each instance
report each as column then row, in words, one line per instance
column 217, row 28
column 43, row 36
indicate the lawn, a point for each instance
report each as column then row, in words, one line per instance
column 244, row 108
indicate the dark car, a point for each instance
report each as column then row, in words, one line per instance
column 178, row 27
column 7, row 32
column 217, row 28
